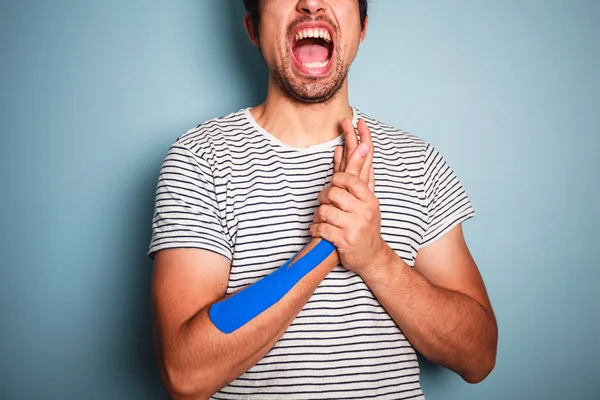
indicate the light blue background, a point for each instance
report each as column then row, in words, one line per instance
column 93, row 93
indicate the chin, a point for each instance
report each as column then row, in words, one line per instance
column 308, row 89
column 311, row 70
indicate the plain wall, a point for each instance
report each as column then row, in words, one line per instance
column 93, row 93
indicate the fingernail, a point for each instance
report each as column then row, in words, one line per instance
column 363, row 149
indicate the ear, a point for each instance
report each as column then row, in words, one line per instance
column 363, row 33
column 251, row 30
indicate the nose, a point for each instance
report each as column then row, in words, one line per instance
column 310, row 7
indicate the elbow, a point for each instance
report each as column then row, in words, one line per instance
column 478, row 376
column 484, row 364
column 182, row 385
column 478, row 372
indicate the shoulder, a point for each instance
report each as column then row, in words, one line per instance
column 392, row 141
column 211, row 137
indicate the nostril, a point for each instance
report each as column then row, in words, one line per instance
column 309, row 11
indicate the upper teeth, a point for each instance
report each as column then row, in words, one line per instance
column 313, row 33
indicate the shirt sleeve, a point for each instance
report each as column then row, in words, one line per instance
column 186, row 212
column 447, row 202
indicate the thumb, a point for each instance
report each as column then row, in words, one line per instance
column 357, row 159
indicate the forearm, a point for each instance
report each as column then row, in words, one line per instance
column 202, row 359
column 447, row 327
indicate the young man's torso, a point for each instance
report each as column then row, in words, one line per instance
column 252, row 199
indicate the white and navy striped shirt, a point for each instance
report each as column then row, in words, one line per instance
column 230, row 187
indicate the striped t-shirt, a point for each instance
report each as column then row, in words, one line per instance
column 230, row 187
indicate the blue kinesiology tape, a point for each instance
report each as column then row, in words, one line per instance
column 235, row 311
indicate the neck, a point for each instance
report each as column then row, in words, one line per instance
column 302, row 125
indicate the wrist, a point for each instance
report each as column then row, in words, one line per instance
column 330, row 262
column 382, row 266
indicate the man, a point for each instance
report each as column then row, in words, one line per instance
column 246, row 201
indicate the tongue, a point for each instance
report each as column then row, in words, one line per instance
column 309, row 53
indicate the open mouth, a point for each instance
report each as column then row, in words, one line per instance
column 313, row 49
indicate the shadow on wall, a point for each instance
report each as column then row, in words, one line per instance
column 248, row 64
column 140, row 342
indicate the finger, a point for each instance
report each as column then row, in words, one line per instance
column 353, row 186
column 337, row 158
column 357, row 161
column 365, row 137
column 351, row 140
column 334, row 216
column 327, row 232
column 341, row 197
column 323, row 197
column 364, row 132
column 366, row 168
column 372, row 179
column 317, row 218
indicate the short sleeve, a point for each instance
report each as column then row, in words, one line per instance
column 446, row 200
column 186, row 212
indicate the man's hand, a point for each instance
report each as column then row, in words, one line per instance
column 441, row 305
column 346, row 159
column 349, row 215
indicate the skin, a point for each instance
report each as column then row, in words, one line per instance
column 195, row 358
column 441, row 305
column 295, row 123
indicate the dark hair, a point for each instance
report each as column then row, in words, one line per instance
column 252, row 8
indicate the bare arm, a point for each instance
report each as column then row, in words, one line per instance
column 441, row 306
column 195, row 358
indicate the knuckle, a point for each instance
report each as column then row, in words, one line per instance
column 323, row 213
column 323, row 196
column 336, row 179
column 374, row 203
column 349, row 239
column 316, row 229
column 334, row 194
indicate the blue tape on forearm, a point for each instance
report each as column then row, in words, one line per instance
column 235, row 311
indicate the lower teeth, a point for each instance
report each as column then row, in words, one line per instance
column 315, row 64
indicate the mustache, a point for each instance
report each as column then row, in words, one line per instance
column 306, row 18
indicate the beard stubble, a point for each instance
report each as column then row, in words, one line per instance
column 308, row 89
